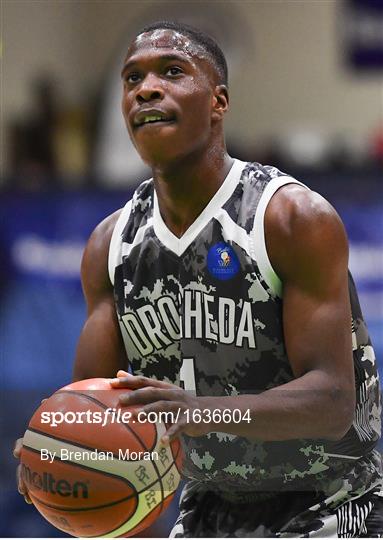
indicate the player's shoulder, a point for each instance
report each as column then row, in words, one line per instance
column 302, row 228
column 295, row 209
column 290, row 207
column 94, row 265
column 97, row 252
column 100, row 238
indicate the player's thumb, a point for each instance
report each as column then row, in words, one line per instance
column 122, row 373
column 17, row 448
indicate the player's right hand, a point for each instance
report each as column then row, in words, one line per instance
column 21, row 486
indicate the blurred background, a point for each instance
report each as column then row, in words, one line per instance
column 306, row 87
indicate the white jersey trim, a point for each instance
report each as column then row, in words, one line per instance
column 179, row 245
column 258, row 233
column 114, row 257
column 232, row 231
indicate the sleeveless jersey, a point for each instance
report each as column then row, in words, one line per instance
column 205, row 311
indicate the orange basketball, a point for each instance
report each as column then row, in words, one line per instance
column 91, row 468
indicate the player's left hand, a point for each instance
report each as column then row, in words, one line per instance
column 158, row 396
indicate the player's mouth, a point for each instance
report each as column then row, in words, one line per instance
column 152, row 117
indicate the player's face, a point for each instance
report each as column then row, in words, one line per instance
column 168, row 96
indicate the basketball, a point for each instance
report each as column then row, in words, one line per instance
column 91, row 468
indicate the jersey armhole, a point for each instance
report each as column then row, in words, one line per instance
column 115, row 241
column 258, row 233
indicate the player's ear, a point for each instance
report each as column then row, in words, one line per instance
column 220, row 101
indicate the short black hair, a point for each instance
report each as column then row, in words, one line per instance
column 199, row 37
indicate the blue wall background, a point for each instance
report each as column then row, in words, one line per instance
column 42, row 309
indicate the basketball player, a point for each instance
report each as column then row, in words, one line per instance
column 225, row 287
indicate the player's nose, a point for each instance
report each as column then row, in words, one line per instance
column 150, row 90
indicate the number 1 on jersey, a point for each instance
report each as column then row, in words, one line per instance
column 187, row 375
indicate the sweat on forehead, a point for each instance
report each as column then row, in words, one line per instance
column 168, row 39
column 188, row 40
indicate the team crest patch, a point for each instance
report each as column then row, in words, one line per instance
column 222, row 261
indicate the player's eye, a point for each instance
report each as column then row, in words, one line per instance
column 173, row 71
column 132, row 78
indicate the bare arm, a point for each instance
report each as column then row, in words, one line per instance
column 100, row 351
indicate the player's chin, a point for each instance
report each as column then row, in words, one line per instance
column 154, row 148
column 154, row 130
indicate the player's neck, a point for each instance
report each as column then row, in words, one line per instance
column 184, row 189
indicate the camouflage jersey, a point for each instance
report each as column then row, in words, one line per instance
column 205, row 311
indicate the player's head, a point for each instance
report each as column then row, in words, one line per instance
column 175, row 91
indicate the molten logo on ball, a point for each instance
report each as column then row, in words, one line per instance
column 48, row 483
